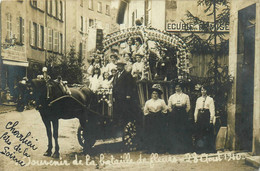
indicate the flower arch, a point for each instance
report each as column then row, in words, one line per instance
column 162, row 39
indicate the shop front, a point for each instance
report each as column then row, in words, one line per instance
column 13, row 68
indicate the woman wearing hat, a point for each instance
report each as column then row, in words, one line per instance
column 203, row 116
column 154, row 110
column 179, row 106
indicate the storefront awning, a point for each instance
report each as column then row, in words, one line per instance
column 16, row 63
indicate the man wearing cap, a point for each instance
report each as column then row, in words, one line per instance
column 124, row 94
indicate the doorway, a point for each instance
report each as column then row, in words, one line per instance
column 245, row 77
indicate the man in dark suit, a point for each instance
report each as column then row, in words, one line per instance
column 125, row 96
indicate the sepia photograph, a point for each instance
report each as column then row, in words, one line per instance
column 130, row 85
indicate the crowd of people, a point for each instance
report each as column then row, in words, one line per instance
column 160, row 66
column 167, row 127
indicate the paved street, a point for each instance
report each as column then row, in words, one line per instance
column 112, row 158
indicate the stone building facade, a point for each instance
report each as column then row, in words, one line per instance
column 33, row 31
column 243, row 128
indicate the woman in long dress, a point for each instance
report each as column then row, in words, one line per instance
column 154, row 111
column 178, row 125
column 203, row 116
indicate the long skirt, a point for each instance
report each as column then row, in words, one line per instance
column 179, row 138
column 155, row 131
column 204, row 132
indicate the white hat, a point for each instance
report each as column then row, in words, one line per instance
column 44, row 69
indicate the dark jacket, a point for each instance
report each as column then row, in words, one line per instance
column 124, row 86
column 125, row 108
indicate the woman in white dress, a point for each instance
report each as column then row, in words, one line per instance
column 154, row 111
column 95, row 80
column 203, row 116
column 178, row 125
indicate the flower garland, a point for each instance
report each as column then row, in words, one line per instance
column 162, row 37
column 103, row 96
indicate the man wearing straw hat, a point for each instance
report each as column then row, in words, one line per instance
column 125, row 95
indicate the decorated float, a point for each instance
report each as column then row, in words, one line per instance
column 167, row 70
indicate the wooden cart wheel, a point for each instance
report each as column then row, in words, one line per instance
column 130, row 136
column 82, row 140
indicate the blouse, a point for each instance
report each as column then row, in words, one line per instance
column 155, row 106
column 205, row 103
column 179, row 100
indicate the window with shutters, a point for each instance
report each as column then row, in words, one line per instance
column 34, row 35
column 41, row 37
column 8, row 27
column 50, row 39
column 90, row 4
column 34, row 3
column 107, row 10
column 99, row 7
column 86, row 24
column 81, row 23
column 91, row 23
column 20, row 31
column 53, row 7
column 56, row 41
column 50, row 7
column 56, row 8
column 61, row 10
column 61, row 43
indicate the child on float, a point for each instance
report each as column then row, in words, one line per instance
column 106, row 83
column 95, row 80
column 129, row 65
column 112, row 63
column 96, row 63
column 138, row 68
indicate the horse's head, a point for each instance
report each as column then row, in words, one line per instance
column 45, row 91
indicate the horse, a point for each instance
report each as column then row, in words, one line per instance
column 57, row 106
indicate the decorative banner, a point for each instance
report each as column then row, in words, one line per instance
column 189, row 27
